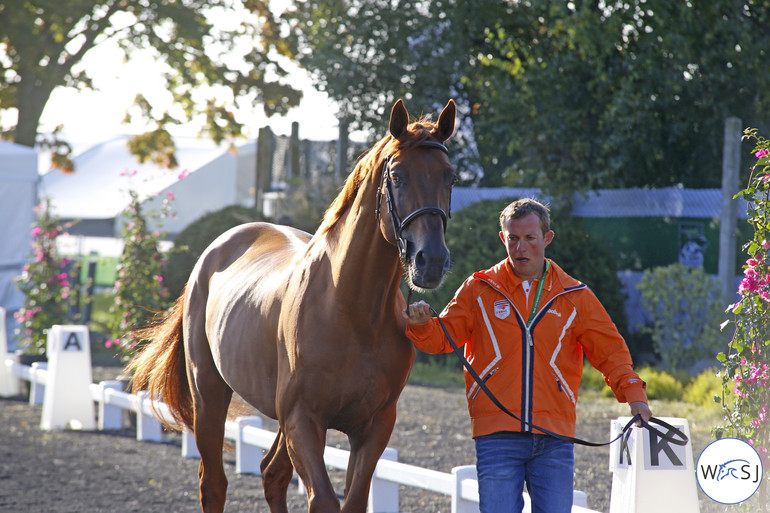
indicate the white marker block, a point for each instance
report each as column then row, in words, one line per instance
column 9, row 383
column 67, row 402
column 651, row 474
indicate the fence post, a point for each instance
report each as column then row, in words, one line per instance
column 459, row 503
column 148, row 428
column 67, row 401
column 189, row 446
column 36, row 385
column 110, row 416
column 247, row 457
column 9, row 383
column 383, row 495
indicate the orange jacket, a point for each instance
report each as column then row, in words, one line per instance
column 534, row 372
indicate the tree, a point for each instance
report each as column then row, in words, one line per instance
column 561, row 95
column 43, row 42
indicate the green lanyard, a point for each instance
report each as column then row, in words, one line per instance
column 537, row 295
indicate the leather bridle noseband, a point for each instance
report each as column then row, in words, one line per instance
column 399, row 225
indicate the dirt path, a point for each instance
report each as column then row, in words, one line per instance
column 70, row 471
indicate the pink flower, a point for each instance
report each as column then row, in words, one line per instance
column 128, row 173
column 36, row 231
column 170, row 195
column 184, row 174
column 762, row 153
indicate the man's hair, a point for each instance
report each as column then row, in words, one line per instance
column 522, row 208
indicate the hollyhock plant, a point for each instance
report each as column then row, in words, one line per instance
column 745, row 366
column 44, row 282
column 139, row 290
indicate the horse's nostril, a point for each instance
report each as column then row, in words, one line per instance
column 420, row 260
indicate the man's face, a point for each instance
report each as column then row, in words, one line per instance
column 525, row 243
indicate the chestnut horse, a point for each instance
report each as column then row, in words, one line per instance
column 308, row 330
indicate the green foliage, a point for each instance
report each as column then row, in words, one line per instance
column 44, row 282
column 560, row 95
column 593, row 381
column 436, row 375
column 211, row 71
column 661, row 384
column 705, row 390
column 684, row 309
column 193, row 240
column 139, row 291
column 746, row 366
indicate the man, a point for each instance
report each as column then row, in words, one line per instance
column 525, row 326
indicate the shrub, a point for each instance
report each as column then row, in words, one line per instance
column 684, row 308
column 593, row 380
column 44, row 282
column 705, row 389
column 661, row 385
column 139, row 290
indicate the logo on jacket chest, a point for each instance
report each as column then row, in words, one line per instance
column 502, row 309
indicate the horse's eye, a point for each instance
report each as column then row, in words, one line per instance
column 395, row 179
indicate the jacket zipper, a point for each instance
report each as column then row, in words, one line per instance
column 526, row 384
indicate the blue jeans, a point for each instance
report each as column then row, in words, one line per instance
column 505, row 461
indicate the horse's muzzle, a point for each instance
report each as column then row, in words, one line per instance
column 428, row 266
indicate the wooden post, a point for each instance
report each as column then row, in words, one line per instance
column 294, row 171
column 731, row 161
column 340, row 169
column 264, row 167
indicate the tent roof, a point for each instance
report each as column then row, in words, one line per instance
column 105, row 172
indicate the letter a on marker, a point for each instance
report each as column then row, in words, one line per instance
column 72, row 343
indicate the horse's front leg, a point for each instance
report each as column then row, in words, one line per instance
column 366, row 447
column 306, row 442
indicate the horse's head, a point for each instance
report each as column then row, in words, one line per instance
column 415, row 194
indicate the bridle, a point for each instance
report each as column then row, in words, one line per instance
column 399, row 225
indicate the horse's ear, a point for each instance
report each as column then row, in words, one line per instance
column 446, row 121
column 399, row 119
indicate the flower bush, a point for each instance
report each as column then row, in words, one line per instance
column 139, row 290
column 684, row 308
column 745, row 371
column 44, row 282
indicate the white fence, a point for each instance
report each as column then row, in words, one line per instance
column 250, row 439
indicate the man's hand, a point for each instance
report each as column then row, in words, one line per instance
column 641, row 408
column 417, row 313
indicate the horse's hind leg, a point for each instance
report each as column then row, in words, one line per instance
column 276, row 474
column 211, row 396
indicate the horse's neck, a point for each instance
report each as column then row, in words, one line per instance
column 364, row 266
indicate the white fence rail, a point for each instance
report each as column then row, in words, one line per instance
column 249, row 438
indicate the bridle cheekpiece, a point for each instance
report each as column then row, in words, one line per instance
column 399, row 225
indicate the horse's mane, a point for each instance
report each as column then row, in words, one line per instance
column 417, row 132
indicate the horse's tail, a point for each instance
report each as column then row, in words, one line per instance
column 160, row 369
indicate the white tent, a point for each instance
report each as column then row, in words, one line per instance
column 208, row 177
column 18, row 196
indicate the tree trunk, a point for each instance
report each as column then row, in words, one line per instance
column 33, row 96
